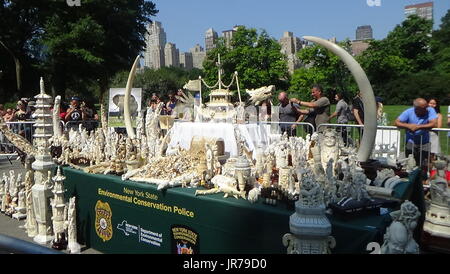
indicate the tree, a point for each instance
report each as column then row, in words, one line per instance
column 20, row 27
column 162, row 81
column 440, row 46
column 255, row 56
column 405, row 50
column 322, row 67
column 93, row 42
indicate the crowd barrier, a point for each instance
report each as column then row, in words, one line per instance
column 391, row 140
column 26, row 129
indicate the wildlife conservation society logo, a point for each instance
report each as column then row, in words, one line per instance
column 103, row 223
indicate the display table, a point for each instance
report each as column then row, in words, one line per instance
column 254, row 134
column 115, row 216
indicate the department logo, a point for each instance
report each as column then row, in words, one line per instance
column 103, row 223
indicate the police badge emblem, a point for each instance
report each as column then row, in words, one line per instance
column 103, row 221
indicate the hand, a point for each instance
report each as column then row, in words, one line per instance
column 295, row 101
column 294, row 126
column 413, row 127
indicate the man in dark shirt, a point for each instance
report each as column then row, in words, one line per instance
column 358, row 112
column 289, row 112
column 358, row 109
column 75, row 113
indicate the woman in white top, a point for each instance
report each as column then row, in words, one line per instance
column 434, row 136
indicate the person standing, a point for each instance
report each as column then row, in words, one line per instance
column 171, row 104
column 289, row 112
column 320, row 106
column 417, row 121
column 358, row 113
column 358, row 109
column 341, row 113
column 75, row 114
column 434, row 136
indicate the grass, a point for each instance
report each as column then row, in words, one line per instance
column 116, row 122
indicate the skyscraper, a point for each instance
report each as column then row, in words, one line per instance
column 290, row 45
column 210, row 39
column 155, row 41
column 198, row 56
column 172, row 55
column 228, row 35
column 364, row 33
column 186, row 60
column 424, row 10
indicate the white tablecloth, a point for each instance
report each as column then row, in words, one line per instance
column 254, row 135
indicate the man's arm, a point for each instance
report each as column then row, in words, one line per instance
column 301, row 111
column 305, row 104
column 400, row 124
column 430, row 125
column 300, row 118
column 357, row 117
column 68, row 113
column 333, row 115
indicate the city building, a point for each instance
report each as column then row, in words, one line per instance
column 290, row 45
column 228, row 35
column 364, row 33
column 198, row 56
column 172, row 55
column 333, row 40
column 210, row 39
column 155, row 39
column 186, row 60
column 358, row 47
column 424, row 10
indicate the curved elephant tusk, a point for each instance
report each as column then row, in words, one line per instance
column 126, row 111
column 368, row 98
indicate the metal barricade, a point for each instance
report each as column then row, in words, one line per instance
column 391, row 137
column 352, row 134
column 441, row 143
column 300, row 129
column 23, row 128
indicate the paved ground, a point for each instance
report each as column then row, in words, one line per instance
column 12, row 227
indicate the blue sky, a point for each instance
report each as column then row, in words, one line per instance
column 185, row 21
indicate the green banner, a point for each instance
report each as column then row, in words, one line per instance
column 115, row 216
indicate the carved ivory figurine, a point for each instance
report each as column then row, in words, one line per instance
column 437, row 217
column 223, row 184
column 73, row 245
column 399, row 235
column 329, row 143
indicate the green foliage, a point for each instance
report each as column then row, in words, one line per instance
column 324, row 68
column 162, row 81
column 440, row 46
column 395, row 60
column 77, row 48
column 425, row 84
column 255, row 56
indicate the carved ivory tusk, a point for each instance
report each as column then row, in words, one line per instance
column 126, row 111
column 368, row 98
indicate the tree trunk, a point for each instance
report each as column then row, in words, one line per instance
column 18, row 68
column 18, row 74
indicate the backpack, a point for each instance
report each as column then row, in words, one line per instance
column 349, row 114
